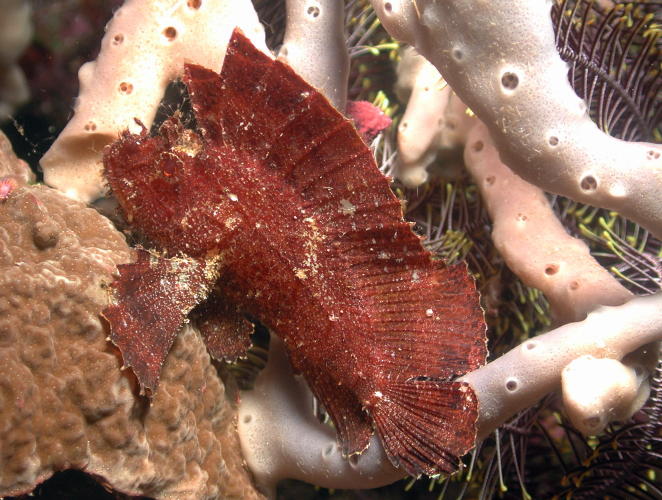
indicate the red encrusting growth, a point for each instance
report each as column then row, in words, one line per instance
column 7, row 185
column 279, row 194
column 368, row 118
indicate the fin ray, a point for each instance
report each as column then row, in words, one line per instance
column 225, row 331
column 153, row 297
column 351, row 421
column 426, row 425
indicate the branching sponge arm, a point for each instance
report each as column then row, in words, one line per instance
column 533, row 242
column 503, row 63
column 145, row 48
column 15, row 35
column 314, row 44
column 300, row 447
column 422, row 123
column 526, row 373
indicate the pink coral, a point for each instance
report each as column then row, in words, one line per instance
column 368, row 118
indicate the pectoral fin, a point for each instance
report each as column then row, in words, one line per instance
column 225, row 330
column 153, row 296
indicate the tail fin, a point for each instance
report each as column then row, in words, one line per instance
column 426, row 425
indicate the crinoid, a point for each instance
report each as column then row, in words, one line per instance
column 614, row 57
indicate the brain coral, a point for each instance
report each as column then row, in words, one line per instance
column 64, row 401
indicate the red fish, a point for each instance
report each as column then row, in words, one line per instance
column 273, row 207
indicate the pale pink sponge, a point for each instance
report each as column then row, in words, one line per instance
column 145, row 47
column 599, row 390
column 532, row 240
column 15, row 35
column 314, row 45
column 503, row 63
column 434, row 121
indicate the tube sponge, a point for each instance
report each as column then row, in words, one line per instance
column 144, row 49
column 597, row 391
column 15, row 34
column 421, row 125
column 533, row 242
column 314, row 44
column 435, row 119
column 503, row 63
column 299, row 446
column 526, row 373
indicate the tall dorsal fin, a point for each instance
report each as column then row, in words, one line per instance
column 425, row 312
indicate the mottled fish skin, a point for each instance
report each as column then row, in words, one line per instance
column 278, row 190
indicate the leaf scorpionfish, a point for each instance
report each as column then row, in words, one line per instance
column 273, row 208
